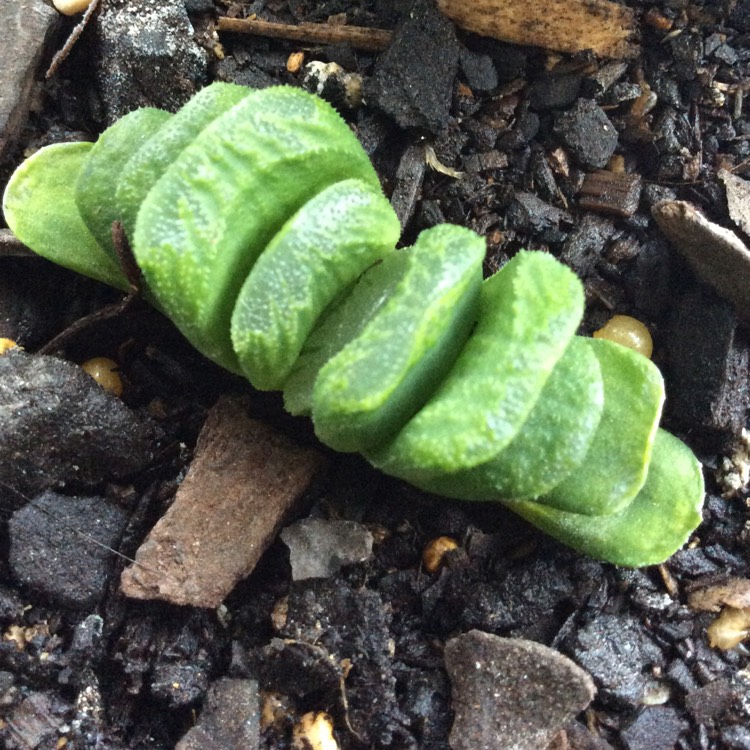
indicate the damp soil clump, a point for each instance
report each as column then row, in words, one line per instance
column 530, row 148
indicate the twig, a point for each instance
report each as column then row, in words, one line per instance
column 134, row 278
column 115, row 310
column 62, row 54
column 359, row 37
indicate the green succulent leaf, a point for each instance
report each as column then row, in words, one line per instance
column 374, row 385
column 262, row 232
column 614, row 469
column 551, row 443
column 323, row 248
column 221, row 202
column 656, row 523
column 148, row 162
column 95, row 194
column 40, row 208
column 528, row 313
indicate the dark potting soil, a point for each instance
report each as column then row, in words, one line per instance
column 82, row 664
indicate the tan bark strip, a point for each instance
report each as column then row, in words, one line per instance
column 359, row 37
column 716, row 254
column 564, row 25
column 244, row 480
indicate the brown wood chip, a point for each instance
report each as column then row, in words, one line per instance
column 565, row 25
column 716, row 254
column 243, row 481
column 612, row 193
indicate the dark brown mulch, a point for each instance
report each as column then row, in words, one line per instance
column 105, row 672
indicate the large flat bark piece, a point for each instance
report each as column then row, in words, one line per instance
column 602, row 26
column 243, row 482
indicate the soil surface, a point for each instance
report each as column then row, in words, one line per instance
column 518, row 139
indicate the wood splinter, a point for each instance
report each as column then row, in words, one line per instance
column 359, row 37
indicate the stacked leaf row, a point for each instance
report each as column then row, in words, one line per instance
column 262, row 232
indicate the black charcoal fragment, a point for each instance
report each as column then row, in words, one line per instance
column 62, row 547
column 327, row 622
column 654, row 728
column 59, row 426
column 708, row 365
column 413, row 81
column 479, row 70
column 585, row 245
column 587, row 132
column 736, row 737
column 38, row 720
column 531, row 214
column 554, row 90
column 617, row 652
column 708, row 703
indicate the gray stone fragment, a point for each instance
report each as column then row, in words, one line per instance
column 588, row 133
column 738, row 199
column 320, row 548
column 230, row 718
column 409, row 179
column 617, row 652
column 510, row 692
column 57, row 426
column 148, row 56
column 59, row 546
column 655, row 728
column 26, row 26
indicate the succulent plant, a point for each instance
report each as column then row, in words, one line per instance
column 261, row 230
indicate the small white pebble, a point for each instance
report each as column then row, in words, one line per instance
column 71, row 7
column 733, row 474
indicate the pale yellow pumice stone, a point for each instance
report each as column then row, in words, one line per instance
column 71, row 7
